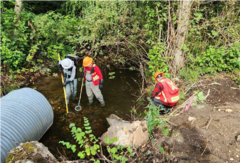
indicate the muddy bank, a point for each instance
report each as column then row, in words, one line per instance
column 212, row 137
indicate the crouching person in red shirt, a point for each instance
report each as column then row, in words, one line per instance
column 165, row 93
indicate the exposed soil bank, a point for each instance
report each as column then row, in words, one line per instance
column 192, row 142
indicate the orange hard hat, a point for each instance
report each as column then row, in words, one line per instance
column 158, row 73
column 87, row 61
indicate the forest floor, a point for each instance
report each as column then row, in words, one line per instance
column 214, row 135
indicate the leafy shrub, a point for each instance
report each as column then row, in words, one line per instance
column 54, row 32
column 15, row 42
column 82, row 138
column 157, row 61
column 219, row 59
column 189, row 74
column 235, row 75
column 90, row 147
column 232, row 57
column 199, row 97
column 211, row 61
column 153, row 120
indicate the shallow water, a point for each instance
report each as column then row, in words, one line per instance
column 118, row 96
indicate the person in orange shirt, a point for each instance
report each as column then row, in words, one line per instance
column 165, row 93
column 94, row 81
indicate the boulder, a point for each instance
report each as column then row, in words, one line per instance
column 133, row 134
column 30, row 152
column 115, row 120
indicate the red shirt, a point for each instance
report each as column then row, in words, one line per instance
column 97, row 70
column 158, row 88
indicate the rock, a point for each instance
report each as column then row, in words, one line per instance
column 114, row 119
column 228, row 110
column 21, row 84
column 238, row 138
column 24, row 161
column 133, row 134
column 45, row 70
column 191, row 118
column 30, row 152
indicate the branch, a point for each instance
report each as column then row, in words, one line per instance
column 210, row 119
column 183, row 105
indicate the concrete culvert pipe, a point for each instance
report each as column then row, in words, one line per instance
column 25, row 116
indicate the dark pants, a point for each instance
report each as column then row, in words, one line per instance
column 163, row 108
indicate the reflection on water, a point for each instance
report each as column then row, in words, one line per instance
column 117, row 95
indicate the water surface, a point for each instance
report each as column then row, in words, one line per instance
column 118, row 95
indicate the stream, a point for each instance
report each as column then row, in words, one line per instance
column 118, row 94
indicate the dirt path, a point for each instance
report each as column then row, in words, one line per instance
column 191, row 141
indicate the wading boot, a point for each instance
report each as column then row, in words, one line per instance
column 69, row 106
column 103, row 104
column 75, row 101
column 90, row 103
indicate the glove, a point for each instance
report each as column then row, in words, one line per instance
column 101, row 84
column 64, row 84
column 82, row 74
column 59, row 68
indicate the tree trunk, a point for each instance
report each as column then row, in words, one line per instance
column 184, row 11
column 18, row 9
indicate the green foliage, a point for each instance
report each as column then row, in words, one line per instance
column 39, row 7
column 211, row 28
column 161, row 149
column 153, row 120
column 199, row 97
column 111, row 75
column 140, row 102
column 132, row 32
column 189, row 74
column 157, row 62
column 117, row 153
column 220, row 59
column 11, row 86
column 90, row 145
column 235, row 75
column 110, row 25
column 181, row 96
column 75, row 7
column 83, row 138
column 212, row 60
column 151, row 88
column 156, row 17
column 54, row 30
column 15, row 42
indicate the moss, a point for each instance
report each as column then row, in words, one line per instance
column 38, row 158
column 28, row 147
column 17, row 154
column 17, row 150
column 10, row 158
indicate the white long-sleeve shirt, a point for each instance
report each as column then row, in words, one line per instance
column 73, row 70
